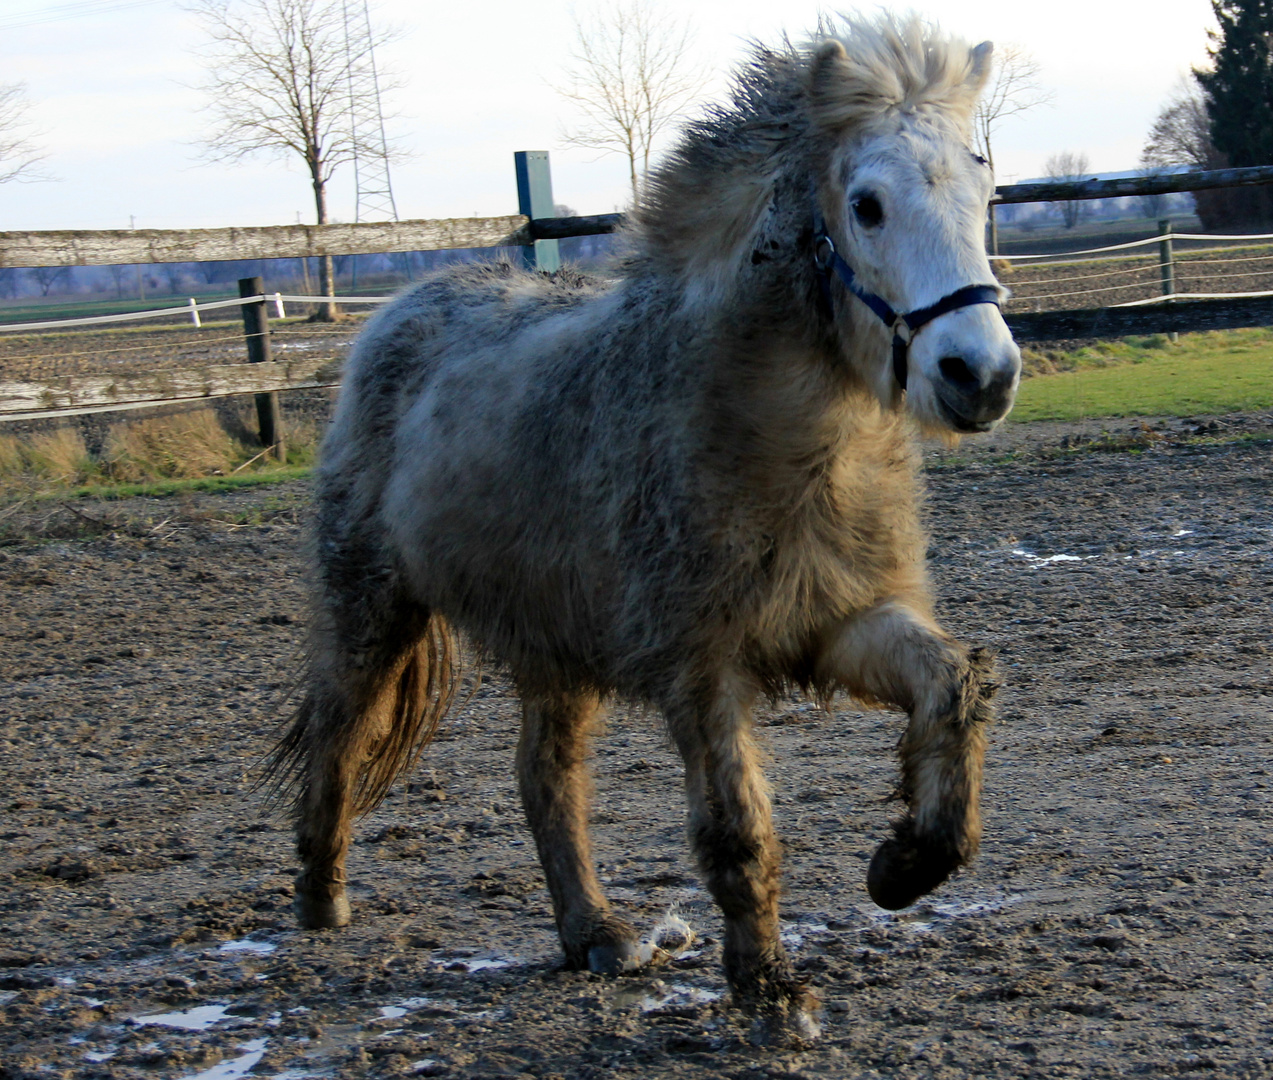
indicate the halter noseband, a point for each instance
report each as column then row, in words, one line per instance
column 827, row 259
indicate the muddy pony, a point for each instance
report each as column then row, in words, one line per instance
column 692, row 484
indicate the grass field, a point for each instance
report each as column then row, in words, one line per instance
column 1215, row 372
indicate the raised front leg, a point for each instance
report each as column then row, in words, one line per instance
column 731, row 831
column 895, row 655
column 556, row 790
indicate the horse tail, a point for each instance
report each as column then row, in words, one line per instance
column 371, row 715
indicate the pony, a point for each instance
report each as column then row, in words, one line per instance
column 692, row 484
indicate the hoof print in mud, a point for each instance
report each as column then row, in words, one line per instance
column 900, row 873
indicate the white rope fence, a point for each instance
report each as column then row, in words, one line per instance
column 192, row 309
column 1138, row 243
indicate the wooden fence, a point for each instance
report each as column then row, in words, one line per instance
column 535, row 234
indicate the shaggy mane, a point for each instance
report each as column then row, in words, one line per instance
column 705, row 202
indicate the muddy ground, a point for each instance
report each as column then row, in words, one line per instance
column 1118, row 923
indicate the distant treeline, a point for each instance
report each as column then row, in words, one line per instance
column 377, row 273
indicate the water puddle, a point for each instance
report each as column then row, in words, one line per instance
column 928, row 916
column 200, row 1018
column 1038, row 561
column 658, row 996
column 247, row 945
column 469, row 965
column 237, row 1067
column 410, row 1005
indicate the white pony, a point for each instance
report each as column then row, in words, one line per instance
column 692, row 485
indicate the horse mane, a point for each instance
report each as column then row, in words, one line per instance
column 705, row 202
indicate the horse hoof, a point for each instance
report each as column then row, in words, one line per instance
column 621, row 957
column 321, row 912
column 900, row 874
column 792, row 1028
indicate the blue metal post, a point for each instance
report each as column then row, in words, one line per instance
column 535, row 200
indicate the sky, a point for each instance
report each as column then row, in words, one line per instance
column 114, row 87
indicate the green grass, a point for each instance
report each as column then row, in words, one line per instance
column 1219, row 371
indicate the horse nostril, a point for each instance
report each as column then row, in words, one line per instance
column 954, row 370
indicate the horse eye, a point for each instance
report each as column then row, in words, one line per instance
column 868, row 211
column 980, row 160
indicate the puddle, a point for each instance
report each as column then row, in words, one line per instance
column 200, row 1018
column 1049, row 560
column 247, row 945
column 469, row 965
column 793, row 934
column 927, row 916
column 659, row 995
column 235, row 1067
column 414, row 1004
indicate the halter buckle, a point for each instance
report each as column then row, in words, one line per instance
column 823, row 253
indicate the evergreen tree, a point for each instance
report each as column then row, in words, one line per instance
column 1239, row 88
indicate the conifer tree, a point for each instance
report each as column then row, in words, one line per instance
column 1239, row 87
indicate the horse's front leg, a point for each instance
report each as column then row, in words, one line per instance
column 731, row 831
column 899, row 656
column 556, row 790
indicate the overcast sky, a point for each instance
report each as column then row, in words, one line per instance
column 112, row 82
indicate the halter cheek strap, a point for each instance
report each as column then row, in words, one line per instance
column 904, row 326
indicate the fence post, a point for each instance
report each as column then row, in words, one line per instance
column 256, row 330
column 1167, row 266
column 535, row 200
column 1166, row 262
column 994, row 232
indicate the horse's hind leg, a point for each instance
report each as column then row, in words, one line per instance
column 556, row 790
column 896, row 655
column 365, row 711
column 731, row 831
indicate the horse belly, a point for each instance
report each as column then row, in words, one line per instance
column 492, row 536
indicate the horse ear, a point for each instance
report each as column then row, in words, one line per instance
column 828, row 83
column 979, row 64
column 828, row 64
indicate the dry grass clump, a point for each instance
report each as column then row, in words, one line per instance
column 185, row 446
column 57, row 457
column 171, row 447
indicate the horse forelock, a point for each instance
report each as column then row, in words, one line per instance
column 866, row 69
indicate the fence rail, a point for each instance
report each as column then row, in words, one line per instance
column 70, row 395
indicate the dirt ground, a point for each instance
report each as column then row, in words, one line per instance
column 1118, row 923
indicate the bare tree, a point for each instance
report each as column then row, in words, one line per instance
column 51, row 277
column 633, row 76
column 19, row 154
column 284, row 78
column 174, row 274
column 1067, row 165
column 1013, row 90
column 120, row 273
column 1182, row 133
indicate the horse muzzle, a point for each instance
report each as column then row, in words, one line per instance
column 969, row 369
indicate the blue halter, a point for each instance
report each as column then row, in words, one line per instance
column 827, row 259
